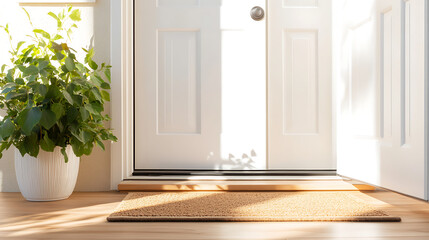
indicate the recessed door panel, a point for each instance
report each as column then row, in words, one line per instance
column 299, row 85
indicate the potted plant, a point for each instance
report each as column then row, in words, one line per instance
column 54, row 108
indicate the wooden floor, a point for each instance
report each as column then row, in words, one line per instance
column 83, row 216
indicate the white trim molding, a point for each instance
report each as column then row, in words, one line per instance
column 426, row 64
column 122, row 20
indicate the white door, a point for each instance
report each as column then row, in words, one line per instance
column 200, row 85
column 381, row 92
column 299, row 86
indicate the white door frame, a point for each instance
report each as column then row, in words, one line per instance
column 426, row 74
column 122, row 93
column 122, row 15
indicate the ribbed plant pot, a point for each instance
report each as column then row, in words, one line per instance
column 47, row 177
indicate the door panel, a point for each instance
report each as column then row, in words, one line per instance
column 402, row 142
column 381, row 92
column 200, row 85
column 299, row 85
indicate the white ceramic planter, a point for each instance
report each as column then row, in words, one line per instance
column 47, row 177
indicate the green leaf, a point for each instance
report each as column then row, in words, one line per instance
column 57, row 46
column 94, row 107
column 12, row 95
column 67, row 97
column 31, row 70
column 87, row 148
column 105, row 95
column 92, row 64
column 59, row 56
column 84, row 114
column 39, row 88
column 42, row 90
column 53, row 92
column 47, row 144
column 9, row 76
column 58, row 109
column 100, row 143
column 6, row 29
column 6, row 129
column 48, row 119
column 77, row 147
column 20, row 119
column 63, row 151
column 9, row 87
column 22, row 149
column 44, row 73
column 43, row 64
column 6, row 90
column 27, row 52
column 19, row 81
column 31, row 144
column 21, row 68
column 18, row 46
column 96, row 93
column 32, row 78
column 76, row 135
column 85, row 136
column 60, row 126
column 9, row 84
column 95, row 80
column 59, row 23
column 75, row 15
column 72, row 114
column 54, row 16
column 107, row 73
column 28, row 16
column 69, row 33
column 32, row 118
column 57, row 37
column 70, row 64
column 77, row 99
column 64, row 68
column 43, row 33
column 89, row 55
column 82, row 69
column 105, row 85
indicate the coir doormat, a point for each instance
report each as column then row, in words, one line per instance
column 348, row 206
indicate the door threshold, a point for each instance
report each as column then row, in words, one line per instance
column 228, row 173
column 234, row 178
column 244, row 185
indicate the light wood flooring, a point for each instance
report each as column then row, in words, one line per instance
column 83, row 216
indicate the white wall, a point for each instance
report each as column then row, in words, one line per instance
column 94, row 173
column 380, row 90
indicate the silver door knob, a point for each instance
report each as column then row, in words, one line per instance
column 257, row 13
